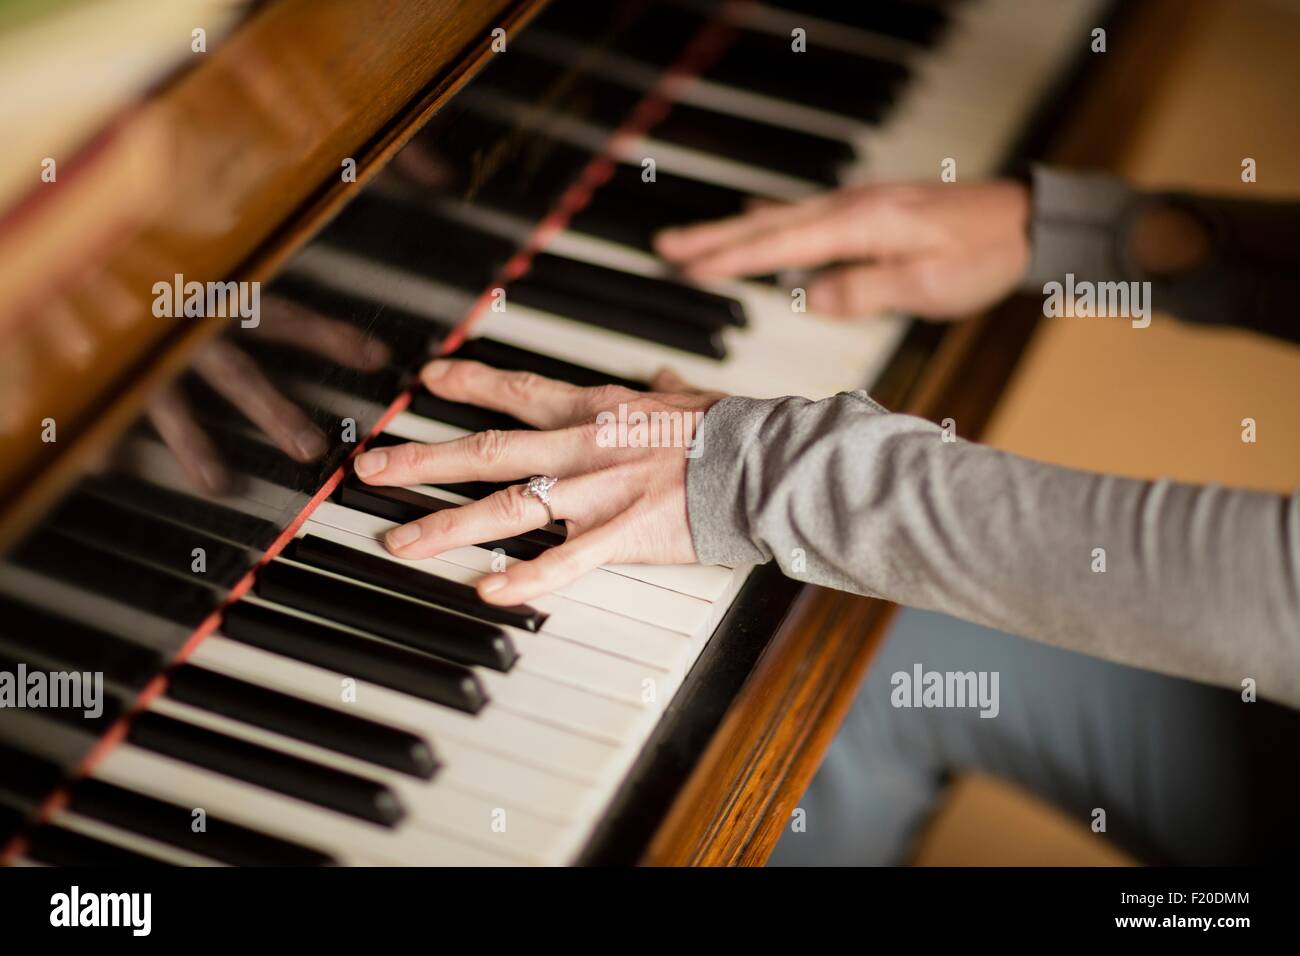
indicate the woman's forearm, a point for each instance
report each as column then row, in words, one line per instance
column 1199, row 581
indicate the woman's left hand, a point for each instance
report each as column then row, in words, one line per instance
column 621, row 499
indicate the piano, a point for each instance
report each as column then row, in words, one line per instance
column 475, row 179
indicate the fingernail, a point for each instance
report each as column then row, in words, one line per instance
column 495, row 583
column 435, row 369
column 310, row 443
column 402, row 535
column 370, row 463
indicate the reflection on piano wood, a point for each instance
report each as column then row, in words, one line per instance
column 323, row 702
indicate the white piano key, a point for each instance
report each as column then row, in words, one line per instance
column 600, row 588
column 596, row 627
column 346, row 838
column 467, row 766
column 564, row 752
column 129, row 840
column 431, row 806
column 536, row 696
column 542, row 653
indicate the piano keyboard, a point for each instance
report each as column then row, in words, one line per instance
column 351, row 708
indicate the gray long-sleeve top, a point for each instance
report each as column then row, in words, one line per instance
column 1197, row 581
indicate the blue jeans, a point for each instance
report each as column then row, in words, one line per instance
column 1186, row 773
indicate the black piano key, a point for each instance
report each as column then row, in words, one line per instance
column 662, row 297
column 625, row 320
column 408, row 335
column 93, row 714
column 534, row 171
column 581, row 95
column 654, row 309
column 26, row 778
column 151, row 540
column 392, row 504
column 378, row 386
column 793, row 152
column 587, row 22
column 192, row 512
column 394, row 618
column 404, row 579
column 821, row 77
column 660, row 34
column 406, row 235
column 220, row 840
column 377, row 662
column 474, row 489
column 39, row 752
column 220, row 417
column 918, row 23
column 87, row 566
column 628, row 211
column 694, row 198
column 403, row 505
column 11, row 821
column 609, row 101
column 323, row 726
column 78, row 646
column 470, row 417
column 513, row 358
column 251, row 456
column 57, row 846
column 261, row 766
column 406, row 244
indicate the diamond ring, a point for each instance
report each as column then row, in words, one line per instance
column 539, row 487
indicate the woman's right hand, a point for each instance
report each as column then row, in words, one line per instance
column 936, row 250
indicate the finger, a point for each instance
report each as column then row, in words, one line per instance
column 668, row 381
column 527, row 580
column 171, row 417
column 860, row 290
column 805, row 242
column 503, row 514
column 288, row 321
column 484, row 456
column 532, row 398
column 683, row 243
column 237, row 378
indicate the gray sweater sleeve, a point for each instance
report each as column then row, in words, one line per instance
column 1251, row 278
column 1202, row 582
